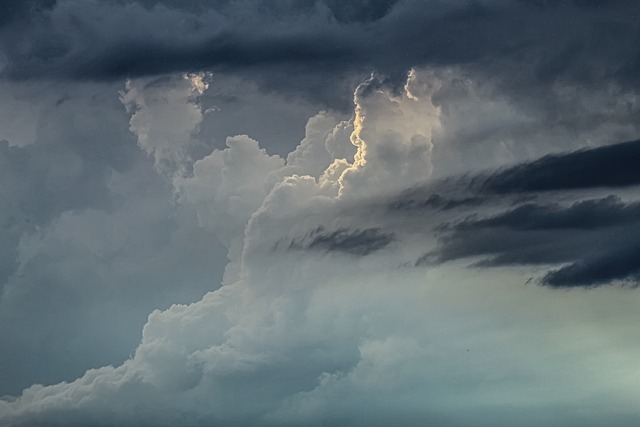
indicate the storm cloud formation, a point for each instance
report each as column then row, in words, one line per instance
column 528, row 40
column 336, row 213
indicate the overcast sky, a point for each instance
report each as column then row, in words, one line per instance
column 319, row 212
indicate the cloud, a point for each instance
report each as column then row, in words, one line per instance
column 233, row 105
column 68, row 153
column 485, row 123
column 593, row 238
column 89, row 227
column 563, row 210
column 16, row 10
column 608, row 166
column 325, row 41
column 393, row 135
column 297, row 337
column 355, row 242
column 91, row 239
column 164, row 117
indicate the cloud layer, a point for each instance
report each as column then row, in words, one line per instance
column 528, row 43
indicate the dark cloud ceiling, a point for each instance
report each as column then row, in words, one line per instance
column 527, row 42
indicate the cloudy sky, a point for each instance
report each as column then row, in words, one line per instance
column 271, row 213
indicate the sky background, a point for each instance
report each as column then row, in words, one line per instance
column 319, row 212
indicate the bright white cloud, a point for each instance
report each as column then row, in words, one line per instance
column 393, row 137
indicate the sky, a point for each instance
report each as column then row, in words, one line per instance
column 270, row 213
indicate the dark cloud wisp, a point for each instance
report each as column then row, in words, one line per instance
column 595, row 241
column 570, row 212
column 609, row 166
column 360, row 242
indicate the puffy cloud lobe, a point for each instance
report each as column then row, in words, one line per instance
column 393, row 137
column 229, row 185
column 322, row 144
column 165, row 115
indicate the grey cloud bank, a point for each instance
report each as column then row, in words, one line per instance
column 528, row 43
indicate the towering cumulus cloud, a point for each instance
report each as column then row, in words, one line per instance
column 323, row 317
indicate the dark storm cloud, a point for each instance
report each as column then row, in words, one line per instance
column 609, row 166
column 586, row 214
column 273, row 41
column 20, row 10
column 415, row 200
column 355, row 242
column 596, row 239
column 351, row 11
column 541, row 213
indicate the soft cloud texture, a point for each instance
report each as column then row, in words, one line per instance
column 91, row 241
